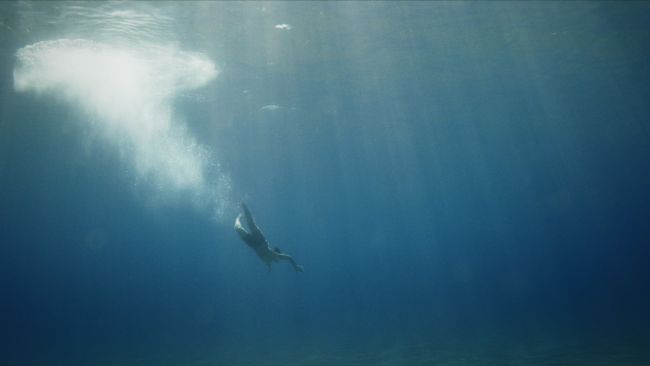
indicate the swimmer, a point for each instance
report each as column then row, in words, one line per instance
column 256, row 240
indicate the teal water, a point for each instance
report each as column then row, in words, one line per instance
column 465, row 183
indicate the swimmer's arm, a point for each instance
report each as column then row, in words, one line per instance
column 296, row 266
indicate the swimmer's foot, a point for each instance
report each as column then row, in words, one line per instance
column 238, row 224
column 299, row 268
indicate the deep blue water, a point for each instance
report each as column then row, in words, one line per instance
column 464, row 183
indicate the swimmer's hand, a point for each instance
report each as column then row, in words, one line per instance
column 299, row 268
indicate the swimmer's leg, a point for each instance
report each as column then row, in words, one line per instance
column 249, row 220
column 243, row 234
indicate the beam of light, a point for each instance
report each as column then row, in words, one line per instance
column 125, row 94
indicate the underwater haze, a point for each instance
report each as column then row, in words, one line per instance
column 465, row 183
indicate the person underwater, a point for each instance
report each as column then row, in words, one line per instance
column 256, row 240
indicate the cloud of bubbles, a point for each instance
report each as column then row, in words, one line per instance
column 125, row 95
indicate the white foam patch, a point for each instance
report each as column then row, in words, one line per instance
column 270, row 107
column 283, row 26
column 126, row 95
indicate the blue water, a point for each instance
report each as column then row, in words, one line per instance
column 464, row 183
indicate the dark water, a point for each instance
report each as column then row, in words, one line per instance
column 464, row 183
